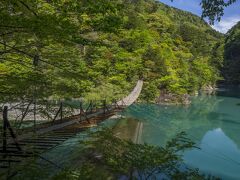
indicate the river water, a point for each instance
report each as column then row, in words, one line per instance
column 211, row 121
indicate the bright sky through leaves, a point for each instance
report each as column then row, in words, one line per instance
column 230, row 18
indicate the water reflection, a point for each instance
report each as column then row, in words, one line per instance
column 218, row 155
column 213, row 122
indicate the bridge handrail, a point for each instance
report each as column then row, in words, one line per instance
column 133, row 96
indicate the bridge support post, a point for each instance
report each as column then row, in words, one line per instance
column 116, row 105
column 91, row 106
column 104, row 106
column 95, row 105
column 61, row 111
column 5, row 114
column 34, row 115
column 80, row 115
column 6, row 125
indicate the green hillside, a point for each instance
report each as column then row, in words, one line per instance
column 231, row 70
column 72, row 49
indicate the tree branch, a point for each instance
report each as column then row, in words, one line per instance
column 26, row 6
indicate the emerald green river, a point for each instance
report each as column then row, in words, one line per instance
column 211, row 121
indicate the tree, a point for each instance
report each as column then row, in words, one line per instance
column 86, row 47
column 57, row 33
column 214, row 9
column 231, row 67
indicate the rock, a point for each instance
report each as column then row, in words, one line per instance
column 208, row 89
column 196, row 93
column 173, row 99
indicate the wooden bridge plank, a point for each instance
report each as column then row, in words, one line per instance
column 30, row 141
column 9, row 160
column 46, row 138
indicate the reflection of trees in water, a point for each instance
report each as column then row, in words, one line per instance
column 233, row 133
column 231, row 91
column 126, row 128
column 163, row 122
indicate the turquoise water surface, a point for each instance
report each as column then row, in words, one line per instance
column 212, row 121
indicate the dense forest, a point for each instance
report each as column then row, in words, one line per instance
column 231, row 68
column 72, row 49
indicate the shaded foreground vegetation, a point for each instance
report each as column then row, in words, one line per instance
column 109, row 157
column 103, row 155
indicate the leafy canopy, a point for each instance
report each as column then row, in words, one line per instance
column 214, row 9
column 72, row 49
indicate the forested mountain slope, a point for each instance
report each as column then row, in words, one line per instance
column 71, row 49
column 231, row 70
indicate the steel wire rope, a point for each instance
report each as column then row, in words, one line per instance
column 32, row 56
column 44, row 61
column 25, row 64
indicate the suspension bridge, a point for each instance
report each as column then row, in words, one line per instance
column 33, row 142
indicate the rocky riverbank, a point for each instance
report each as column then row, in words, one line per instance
column 173, row 99
column 167, row 98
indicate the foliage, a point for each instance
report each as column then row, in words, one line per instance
column 72, row 49
column 231, row 67
column 214, row 9
column 120, row 158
